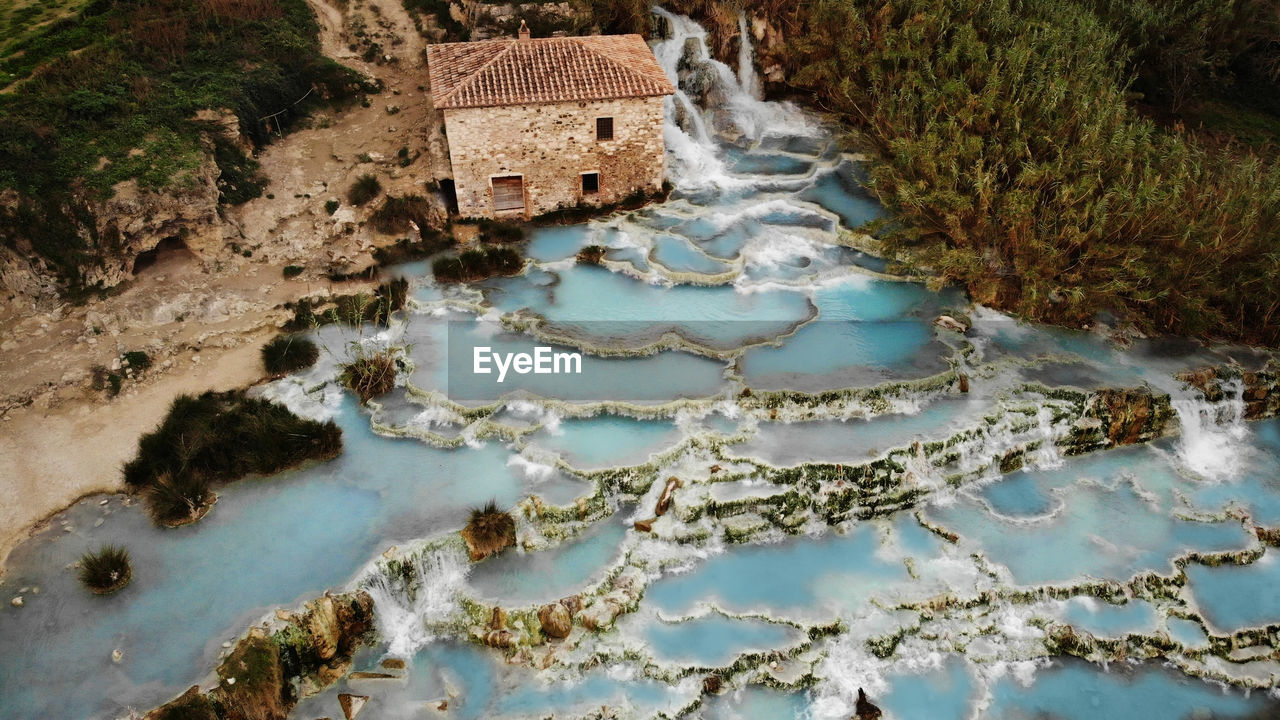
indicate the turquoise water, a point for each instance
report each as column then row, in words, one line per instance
column 1076, row 691
column 801, row 315
column 1232, row 596
column 606, row 440
column 1101, row 526
column 715, row 640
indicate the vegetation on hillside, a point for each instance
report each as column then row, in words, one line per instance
column 1008, row 148
column 110, row 92
column 216, row 438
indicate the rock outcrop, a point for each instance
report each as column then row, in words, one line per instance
column 864, row 709
column 1120, row 416
column 556, row 620
column 1260, row 389
column 272, row 667
column 114, row 231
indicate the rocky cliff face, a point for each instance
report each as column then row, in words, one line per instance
column 112, row 233
column 764, row 24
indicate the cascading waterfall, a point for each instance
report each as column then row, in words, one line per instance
column 746, row 59
column 697, row 157
column 1212, row 433
column 412, row 604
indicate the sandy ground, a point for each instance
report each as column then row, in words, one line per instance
column 203, row 319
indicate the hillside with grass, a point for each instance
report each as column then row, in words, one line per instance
column 106, row 91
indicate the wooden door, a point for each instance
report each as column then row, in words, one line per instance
column 508, row 193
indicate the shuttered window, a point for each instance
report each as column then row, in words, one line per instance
column 508, row 193
column 604, row 128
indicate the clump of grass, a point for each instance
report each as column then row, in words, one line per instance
column 174, row 501
column 387, row 299
column 106, row 570
column 216, row 438
column 404, row 249
column 591, row 255
column 477, row 264
column 488, row 531
column 395, row 214
column 288, row 353
column 365, row 188
column 370, row 373
column 499, row 231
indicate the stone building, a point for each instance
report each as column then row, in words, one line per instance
column 535, row 124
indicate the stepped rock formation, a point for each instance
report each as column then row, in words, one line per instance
column 268, row 671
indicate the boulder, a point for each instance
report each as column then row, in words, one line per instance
column 645, row 525
column 601, row 614
column 322, row 625
column 668, row 494
column 864, row 709
column 352, row 704
column 556, row 620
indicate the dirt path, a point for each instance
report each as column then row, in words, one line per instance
column 203, row 319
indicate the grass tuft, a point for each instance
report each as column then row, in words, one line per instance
column 370, row 374
column 489, row 530
column 365, row 188
column 106, row 570
column 289, row 353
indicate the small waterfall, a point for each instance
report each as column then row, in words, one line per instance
column 1212, row 433
column 746, row 59
column 1047, row 456
column 735, row 96
column 416, row 598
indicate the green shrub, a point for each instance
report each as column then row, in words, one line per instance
column 1003, row 144
column 289, row 353
column 292, row 271
column 478, row 263
column 331, row 206
column 404, row 249
column 173, row 501
column 395, row 214
column 240, row 178
column 220, row 437
column 499, row 231
column 136, row 360
column 365, row 188
column 106, row 570
column 370, row 373
column 387, row 299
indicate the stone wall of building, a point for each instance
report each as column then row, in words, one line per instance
column 550, row 146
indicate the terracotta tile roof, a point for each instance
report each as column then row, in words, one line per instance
column 543, row 70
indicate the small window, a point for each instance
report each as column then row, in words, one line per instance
column 590, row 183
column 604, row 128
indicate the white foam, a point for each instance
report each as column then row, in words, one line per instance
column 410, row 617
